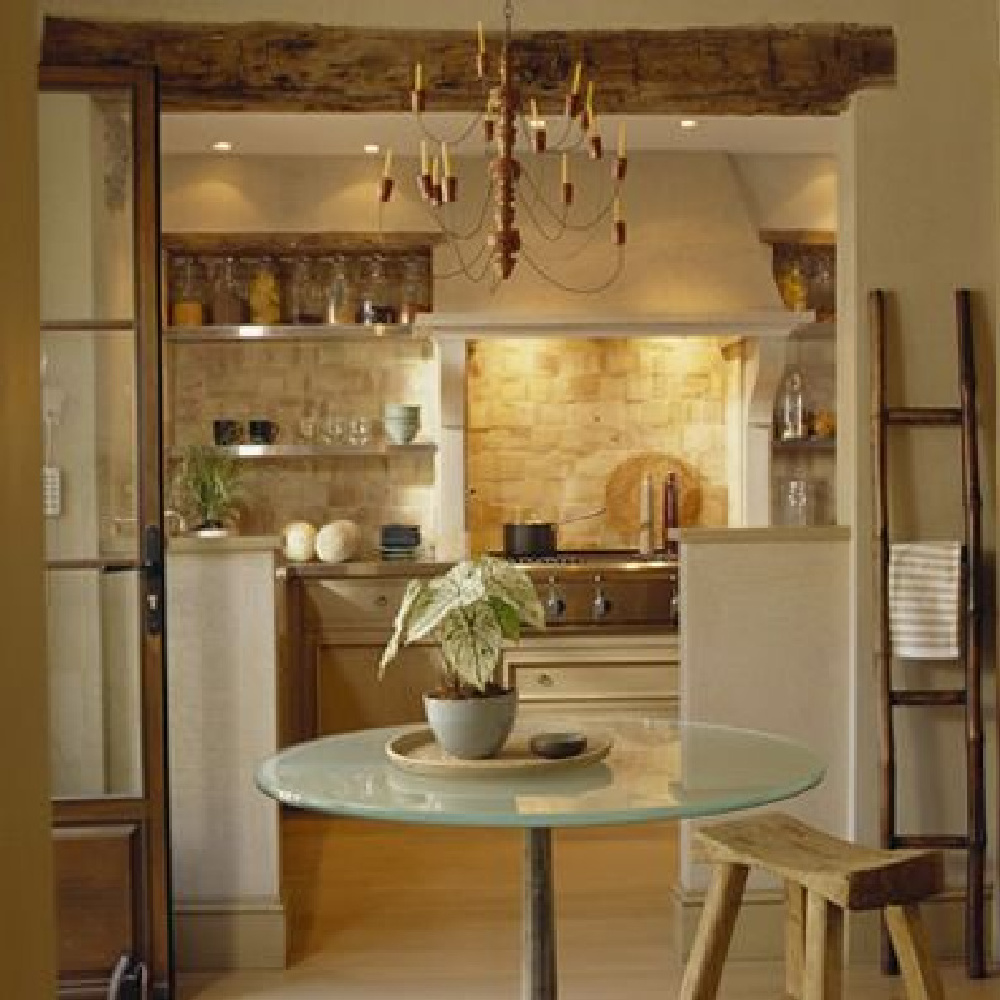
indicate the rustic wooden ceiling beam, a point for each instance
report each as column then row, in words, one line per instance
column 766, row 69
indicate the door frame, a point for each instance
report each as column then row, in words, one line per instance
column 138, row 825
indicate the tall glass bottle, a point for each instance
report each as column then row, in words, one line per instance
column 229, row 294
column 792, row 419
column 340, row 307
column 378, row 299
column 187, row 293
column 415, row 287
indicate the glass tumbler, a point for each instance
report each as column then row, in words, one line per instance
column 359, row 431
column 800, row 502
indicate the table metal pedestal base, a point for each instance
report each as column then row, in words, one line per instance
column 538, row 978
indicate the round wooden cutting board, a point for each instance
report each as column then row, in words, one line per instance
column 621, row 491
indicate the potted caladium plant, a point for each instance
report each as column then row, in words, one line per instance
column 471, row 611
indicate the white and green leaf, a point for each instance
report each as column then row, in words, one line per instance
column 471, row 641
column 470, row 610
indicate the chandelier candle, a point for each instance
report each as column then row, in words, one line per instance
column 594, row 138
column 385, row 185
column 621, row 161
column 573, row 103
column 587, row 114
column 418, row 97
column 481, row 66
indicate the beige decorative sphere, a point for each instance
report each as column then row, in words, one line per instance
column 338, row 541
column 299, row 541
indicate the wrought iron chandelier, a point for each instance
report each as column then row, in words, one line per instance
column 490, row 246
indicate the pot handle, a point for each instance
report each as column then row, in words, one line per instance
column 583, row 517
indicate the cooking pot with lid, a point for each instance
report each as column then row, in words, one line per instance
column 526, row 539
column 531, row 539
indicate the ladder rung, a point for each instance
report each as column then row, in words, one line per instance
column 931, row 696
column 928, row 416
column 945, row 840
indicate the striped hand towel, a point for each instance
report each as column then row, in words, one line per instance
column 924, row 599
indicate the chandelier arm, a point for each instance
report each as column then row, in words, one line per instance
column 454, row 233
column 465, row 267
column 467, row 130
column 563, row 219
column 537, row 198
column 577, row 289
column 468, row 269
column 528, row 209
column 577, row 249
column 563, row 143
column 478, row 225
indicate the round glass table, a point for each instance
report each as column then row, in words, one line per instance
column 655, row 770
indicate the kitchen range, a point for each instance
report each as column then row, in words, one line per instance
column 610, row 641
column 606, row 592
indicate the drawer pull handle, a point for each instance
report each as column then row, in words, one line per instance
column 546, row 680
column 381, row 601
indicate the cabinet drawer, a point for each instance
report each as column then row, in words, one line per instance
column 593, row 682
column 353, row 603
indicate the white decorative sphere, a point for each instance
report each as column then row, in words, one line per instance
column 338, row 541
column 299, row 540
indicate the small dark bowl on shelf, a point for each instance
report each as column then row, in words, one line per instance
column 555, row 746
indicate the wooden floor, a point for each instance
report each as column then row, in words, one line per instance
column 380, row 911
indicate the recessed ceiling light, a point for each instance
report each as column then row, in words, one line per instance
column 371, row 148
column 222, row 146
column 689, row 123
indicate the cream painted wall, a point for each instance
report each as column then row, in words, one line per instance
column 922, row 219
column 26, row 918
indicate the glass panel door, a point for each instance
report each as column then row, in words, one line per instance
column 101, row 497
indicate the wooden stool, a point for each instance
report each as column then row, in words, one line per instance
column 823, row 876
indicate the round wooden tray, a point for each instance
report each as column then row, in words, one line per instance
column 419, row 753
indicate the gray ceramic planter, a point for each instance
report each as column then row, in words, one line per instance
column 471, row 728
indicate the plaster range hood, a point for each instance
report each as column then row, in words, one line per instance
column 770, row 324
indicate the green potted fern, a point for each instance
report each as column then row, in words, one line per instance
column 207, row 488
column 470, row 611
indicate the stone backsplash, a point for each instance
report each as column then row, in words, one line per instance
column 305, row 385
column 549, row 422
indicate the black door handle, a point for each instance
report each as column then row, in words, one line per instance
column 152, row 571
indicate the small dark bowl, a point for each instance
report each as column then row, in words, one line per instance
column 558, row 745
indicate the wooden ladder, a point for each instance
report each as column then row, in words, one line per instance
column 969, row 693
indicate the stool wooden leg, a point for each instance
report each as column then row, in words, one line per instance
column 795, row 938
column 715, row 930
column 824, row 949
column 920, row 974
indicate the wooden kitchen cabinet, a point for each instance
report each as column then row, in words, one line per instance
column 349, row 694
column 333, row 631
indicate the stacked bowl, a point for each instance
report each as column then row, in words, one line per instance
column 399, row 541
column 401, row 422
